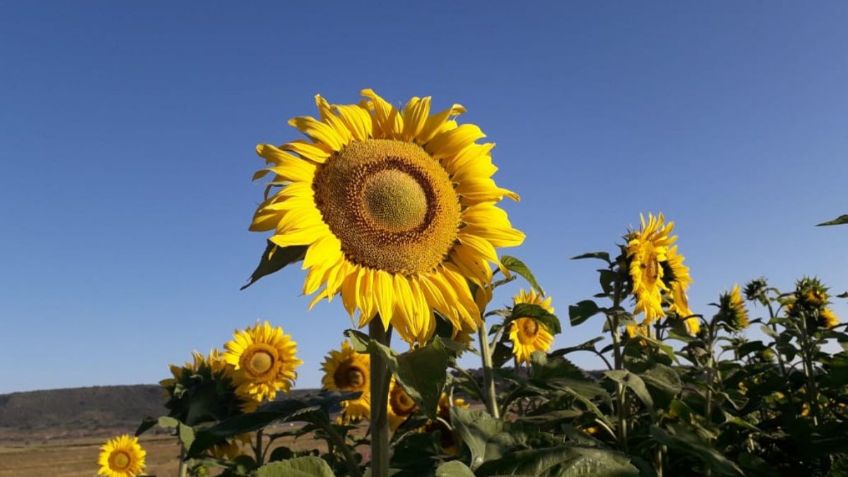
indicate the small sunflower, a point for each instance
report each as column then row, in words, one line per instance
column 638, row 332
column 528, row 335
column 122, row 456
column 396, row 208
column 231, row 448
column 401, row 405
column 828, row 319
column 264, row 359
column 733, row 307
column 347, row 370
column 214, row 362
column 647, row 249
column 441, row 424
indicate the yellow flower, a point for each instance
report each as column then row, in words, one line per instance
column 401, row 405
column 528, row 335
column 647, row 249
column 395, row 207
column 265, row 360
column 828, row 319
column 448, row 442
column 231, row 448
column 347, row 370
column 122, row 456
column 635, row 331
column 733, row 306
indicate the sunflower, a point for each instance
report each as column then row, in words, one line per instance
column 394, row 207
column 231, row 448
column 122, row 456
column 647, row 249
column 214, row 362
column 264, row 361
column 441, row 424
column 638, row 332
column 528, row 335
column 347, row 370
column 733, row 307
column 828, row 319
column 400, row 405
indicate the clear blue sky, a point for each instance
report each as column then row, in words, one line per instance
column 127, row 134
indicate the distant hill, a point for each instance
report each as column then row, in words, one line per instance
column 80, row 412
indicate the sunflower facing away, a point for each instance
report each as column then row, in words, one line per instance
column 347, row 370
column 828, row 319
column 528, row 335
column 395, row 207
column 121, row 457
column 733, row 306
column 214, row 361
column 264, row 359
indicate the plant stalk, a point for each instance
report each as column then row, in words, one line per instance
column 379, row 402
column 489, row 391
column 183, row 469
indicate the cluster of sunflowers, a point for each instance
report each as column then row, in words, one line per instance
column 395, row 210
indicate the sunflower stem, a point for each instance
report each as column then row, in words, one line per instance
column 183, row 470
column 379, row 402
column 490, row 394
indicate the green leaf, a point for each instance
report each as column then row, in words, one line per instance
column 664, row 379
column 598, row 255
column 561, row 461
column 634, row 383
column 274, row 258
column 475, row 428
column 186, row 434
column 423, row 372
column 536, row 312
column 682, row 439
column 515, row 265
column 582, row 311
column 841, row 220
column 454, row 468
column 298, row 467
column 358, row 340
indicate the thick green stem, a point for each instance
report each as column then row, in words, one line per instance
column 258, row 450
column 618, row 361
column 183, row 470
column 379, row 402
column 807, row 349
column 490, row 393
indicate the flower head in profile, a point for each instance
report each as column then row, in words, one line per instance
column 527, row 334
column 647, row 251
column 732, row 307
column 213, row 364
column 347, row 370
column 395, row 210
column 638, row 333
column 264, row 360
column 828, row 319
column 811, row 294
column 231, row 448
column 442, row 423
column 122, row 456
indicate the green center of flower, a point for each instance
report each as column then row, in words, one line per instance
column 394, row 200
column 261, row 362
column 119, row 460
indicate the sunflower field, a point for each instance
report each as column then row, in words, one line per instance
column 395, row 210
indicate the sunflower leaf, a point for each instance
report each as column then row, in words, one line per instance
column 599, row 255
column 537, row 313
column 841, row 220
column 309, row 466
column 274, row 258
column 582, row 311
column 634, row 382
column 423, row 372
column 515, row 265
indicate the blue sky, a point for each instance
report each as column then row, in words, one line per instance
column 127, row 134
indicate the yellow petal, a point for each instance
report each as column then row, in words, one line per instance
column 318, row 131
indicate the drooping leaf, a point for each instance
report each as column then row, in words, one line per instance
column 298, row 467
column 423, row 373
column 274, row 258
column 582, row 311
column 475, row 428
column 634, row 383
column 679, row 438
column 598, row 255
column 515, row 265
column 536, row 312
column 841, row 220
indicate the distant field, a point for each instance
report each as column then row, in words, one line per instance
column 78, row 458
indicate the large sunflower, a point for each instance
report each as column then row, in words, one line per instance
column 395, row 208
column 647, row 249
column 122, row 456
column 265, row 360
column 528, row 335
column 347, row 370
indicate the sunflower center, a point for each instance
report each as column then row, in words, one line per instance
column 530, row 327
column 260, row 362
column 119, row 460
column 350, row 377
column 394, row 200
column 402, row 404
column 391, row 205
column 355, row 377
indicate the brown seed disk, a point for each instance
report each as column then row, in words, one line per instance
column 392, row 206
